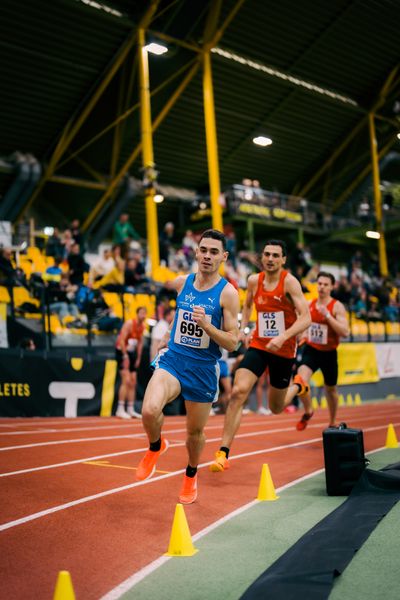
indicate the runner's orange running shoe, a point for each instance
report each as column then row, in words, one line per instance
column 302, row 424
column 304, row 387
column 220, row 463
column 188, row 493
column 147, row 465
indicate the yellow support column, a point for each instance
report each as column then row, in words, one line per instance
column 383, row 266
column 147, row 153
column 212, row 146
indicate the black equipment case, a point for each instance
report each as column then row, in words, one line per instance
column 344, row 459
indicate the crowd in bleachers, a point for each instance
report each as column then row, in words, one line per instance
column 106, row 288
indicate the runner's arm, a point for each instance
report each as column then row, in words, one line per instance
column 338, row 321
column 303, row 321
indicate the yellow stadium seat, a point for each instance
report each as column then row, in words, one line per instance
column 4, row 295
column 21, row 295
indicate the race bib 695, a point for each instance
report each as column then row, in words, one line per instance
column 188, row 333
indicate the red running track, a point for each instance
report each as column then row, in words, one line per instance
column 70, row 500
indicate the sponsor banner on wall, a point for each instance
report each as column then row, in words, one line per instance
column 357, row 364
column 34, row 386
column 388, row 357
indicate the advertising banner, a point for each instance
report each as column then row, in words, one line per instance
column 388, row 357
column 35, row 386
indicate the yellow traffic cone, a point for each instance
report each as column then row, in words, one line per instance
column 64, row 589
column 357, row 400
column 314, row 403
column 324, row 402
column 341, row 400
column 180, row 543
column 266, row 490
column 349, row 400
column 391, row 439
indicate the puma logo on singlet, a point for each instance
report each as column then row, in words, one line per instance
column 279, row 298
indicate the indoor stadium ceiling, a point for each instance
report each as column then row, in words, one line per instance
column 306, row 74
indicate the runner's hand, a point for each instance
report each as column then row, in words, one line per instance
column 275, row 344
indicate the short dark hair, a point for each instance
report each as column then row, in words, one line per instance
column 328, row 275
column 215, row 234
column 280, row 243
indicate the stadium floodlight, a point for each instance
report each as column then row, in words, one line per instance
column 374, row 235
column 158, row 198
column 262, row 140
column 155, row 48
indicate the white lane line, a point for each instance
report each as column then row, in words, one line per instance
column 69, row 429
column 85, row 499
column 82, row 460
column 259, row 420
column 142, row 435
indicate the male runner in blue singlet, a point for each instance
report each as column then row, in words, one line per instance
column 206, row 318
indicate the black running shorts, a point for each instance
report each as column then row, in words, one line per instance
column 120, row 360
column 326, row 361
column 280, row 368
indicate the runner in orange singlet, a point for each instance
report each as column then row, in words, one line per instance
column 282, row 313
column 328, row 325
column 128, row 353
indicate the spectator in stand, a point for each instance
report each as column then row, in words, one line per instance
column 114, row 281
column 342, row 291
column 8, row 273
column 159, row 330
column 54, row 272
column 179, row 263
column 76, row 233
column 102, row 266
column 165, row 295
column 124, row 231
column 189, row 246
column 391, row 311
column 166, row 237
column 77, row 265
column 231, row 247
column 55, row 246
column 102, row 315
column 67, row 242
column 359, row 306
column 299, row 264
column 373, row 312
column 134, row 274
column 61, row 299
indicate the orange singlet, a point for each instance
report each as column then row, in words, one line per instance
column 134, row 336
column 275, row 314
column 321, row 335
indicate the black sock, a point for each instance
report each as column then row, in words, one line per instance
column 155, row 446
column 226, row 450
column 191, row 471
